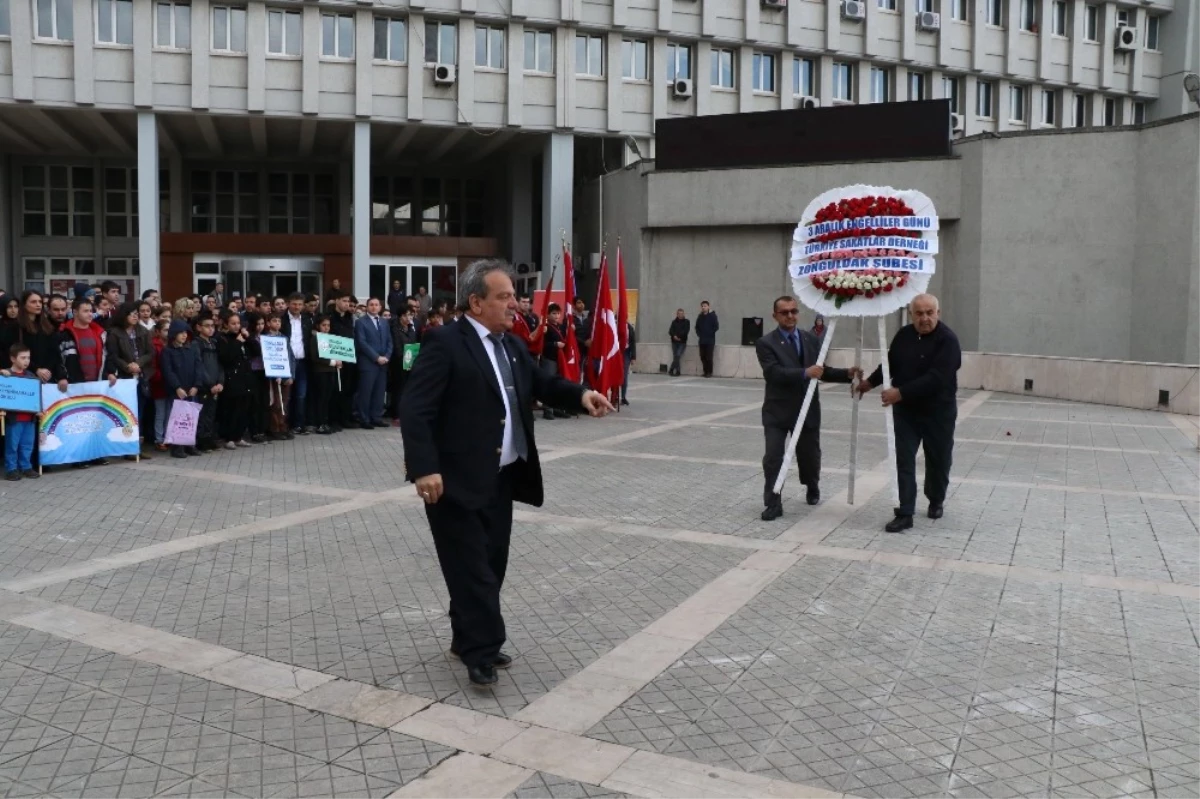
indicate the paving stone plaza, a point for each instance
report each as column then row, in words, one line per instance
column 272, row 622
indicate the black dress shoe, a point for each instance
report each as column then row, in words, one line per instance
column 772, row 512
column 813, row 496
column 367, row 426
column 935, row 511
column 501, row 661
column 482, row 675
column 899, row 524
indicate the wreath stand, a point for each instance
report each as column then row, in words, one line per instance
column 889, row 422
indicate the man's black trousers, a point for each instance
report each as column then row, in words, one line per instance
column 933, row 428
column 472, row 548
column 808, row 457
column 706, row 357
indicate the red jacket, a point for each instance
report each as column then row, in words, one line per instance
column 91, row 339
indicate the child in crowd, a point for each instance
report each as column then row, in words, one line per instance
column 211, row 382
column 158, row 386
column 234, row 350
column 20, row 432
column 256, row 324
column 181, row 375
column 280, row 389
column 323, row 372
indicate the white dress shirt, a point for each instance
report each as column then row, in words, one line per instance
column 297, row 337
column 507, row 453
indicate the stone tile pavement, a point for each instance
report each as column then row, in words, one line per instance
column 272, row 622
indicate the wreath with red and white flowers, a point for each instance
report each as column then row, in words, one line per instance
column 867, row 249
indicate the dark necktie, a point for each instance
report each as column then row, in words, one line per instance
column 795, row 339
column 510, row 389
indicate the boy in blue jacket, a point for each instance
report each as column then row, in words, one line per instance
column 182, row 374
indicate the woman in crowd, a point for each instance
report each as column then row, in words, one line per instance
column 130, row 354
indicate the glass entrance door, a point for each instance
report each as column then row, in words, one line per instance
column 439, row 281
column 272, row 277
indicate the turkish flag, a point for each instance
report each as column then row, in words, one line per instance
column 607, row 359
column 568, row 356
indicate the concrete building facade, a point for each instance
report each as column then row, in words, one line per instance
column 163, row 142
column 1082, row 244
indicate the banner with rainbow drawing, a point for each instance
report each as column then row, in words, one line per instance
column 89, row 421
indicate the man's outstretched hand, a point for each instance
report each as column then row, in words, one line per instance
column 596, row 404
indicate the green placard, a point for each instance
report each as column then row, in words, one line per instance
column 335, row 348
column 410, row 355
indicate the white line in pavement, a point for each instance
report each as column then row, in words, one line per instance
column 517, row 749
column 243, row 480
column 400, row 496
column 1188, row 426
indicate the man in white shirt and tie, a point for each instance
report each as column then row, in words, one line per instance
column 467, row 420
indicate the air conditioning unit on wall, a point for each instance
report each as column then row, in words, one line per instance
column 445, row 74
column 774, row 3
column 682, row 88
column 956, row 123
column 1126, row 40
column 929, row 21
column 809, row 102
column 854, row 10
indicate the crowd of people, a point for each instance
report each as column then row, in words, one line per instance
column 207, row 349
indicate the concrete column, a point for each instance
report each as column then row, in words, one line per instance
column 1108, row 30
column 364, row 43
column 1076, row 68
column 83, row 50
column 256, row 60
column 520, row 209
column 558, row 179
column 833, row 26
column 310, row 55
column 147, row 180
column 416, row 66
column 21, row 24
column 143, row 42
column 175, row 173
column 201, row 17
column 361, row 206
column 516, row 74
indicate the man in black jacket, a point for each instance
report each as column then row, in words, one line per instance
column 297, row 329
column 678, row 333
column 707, row 326
column 466, row 416
column 924, row 358
column 341, row 323
column 788, row 356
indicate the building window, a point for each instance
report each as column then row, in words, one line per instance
column 1049, row 105
column 918, row 86
column 924, row 6
column 391, row 39
column 1139, row 113
column 120, row 202
column 173, row 25
column 337, row 36
column 1152, row 23
column 392, row 206
column 225, row 201
column 843, row 81
column 114, row 21
column 887, row 5
column 284, row 35
column 951, row 92
column 1091, row 23
column 635, row 59
column 121, row 266
column 679, row 62
column 441, row 42
column 299, row 203
column 57, row 200
column 1016, row 103
column 1079, row 113
column 1110, row 111
column 489, row 47
column 5, row 20
column 881, row 85
column 958, row 10
column 722, row 68
column 995, row 12
column 763, row 79
column 539, row 52
column 54, row 20
column 449, row 207
column 589, row 55
column 1058, row 11
column 228, row 29
column 1029, row 20
column 983, row 99
column 804, row 77
column 1122, row 16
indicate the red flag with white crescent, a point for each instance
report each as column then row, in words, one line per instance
column 568, row 356
column 608, row 360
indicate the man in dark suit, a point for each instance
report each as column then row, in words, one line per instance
column 466, row 416
column 297, row 328
column 373, row 345
column 788, row 357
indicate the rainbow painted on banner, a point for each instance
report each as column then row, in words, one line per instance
column 118, row 412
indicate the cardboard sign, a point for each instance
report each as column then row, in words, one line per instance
column 21, row 394
column 182, row 424
column 276, row 362
column 410, row 356
column 88, row 421
column 335, row 348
